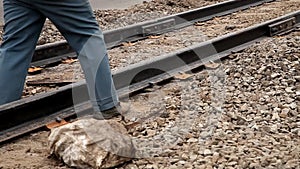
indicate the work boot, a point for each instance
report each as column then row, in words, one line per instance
column 118, row 110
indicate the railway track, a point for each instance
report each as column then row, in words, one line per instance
column 31, row 113
column 54, row 52
column 257, row 128
column 34, row 112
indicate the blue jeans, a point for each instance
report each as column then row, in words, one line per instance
column 24, row 20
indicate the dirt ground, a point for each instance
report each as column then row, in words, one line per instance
column 260, row 130
column 28, row 152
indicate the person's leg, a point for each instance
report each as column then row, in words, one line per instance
column 21, row 31
column 75, row 20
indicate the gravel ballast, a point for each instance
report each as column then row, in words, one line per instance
column 258, row 125
column 243, row 114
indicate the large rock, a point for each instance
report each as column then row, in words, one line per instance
column 90, row 143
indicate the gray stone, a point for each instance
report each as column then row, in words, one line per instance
column 92, row 143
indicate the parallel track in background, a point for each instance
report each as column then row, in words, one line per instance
column 28, row 114
column 54, row 52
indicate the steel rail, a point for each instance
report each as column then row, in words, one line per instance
column 25, row 115
column 54, row 52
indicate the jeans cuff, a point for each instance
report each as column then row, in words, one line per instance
column 105, row 104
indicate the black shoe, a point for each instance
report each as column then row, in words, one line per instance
column 116, row 111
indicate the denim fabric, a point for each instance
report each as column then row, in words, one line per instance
column 24, row 20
